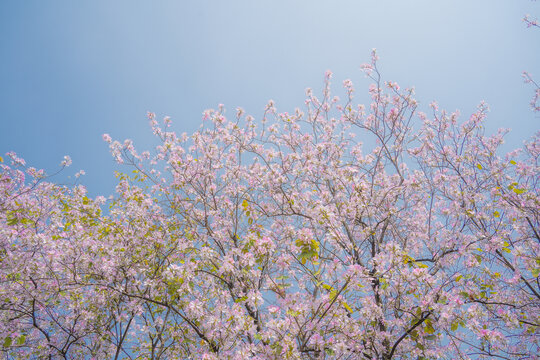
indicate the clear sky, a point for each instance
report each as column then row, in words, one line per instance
column 73, row 70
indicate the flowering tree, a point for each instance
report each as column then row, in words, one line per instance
column 285, row 238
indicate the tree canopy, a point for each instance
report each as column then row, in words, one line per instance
column 338, row 231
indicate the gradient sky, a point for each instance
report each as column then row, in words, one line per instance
column 73, row 70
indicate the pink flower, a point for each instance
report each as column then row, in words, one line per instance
column 66, row 162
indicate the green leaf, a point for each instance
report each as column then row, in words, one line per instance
column 244, row 203
column 429, row 328
column 243, row 298
column 7, row 342
column 346, row 306
column 1, row 159
column 454, row 326
column 21, row 340
column 496, row 214
column 518, row 191
column 293, row 313
column 328, row 287
column 333, row 295
column 535, row 272
column 513, row 162
column 479, row 166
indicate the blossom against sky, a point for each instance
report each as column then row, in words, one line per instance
column 71, row 71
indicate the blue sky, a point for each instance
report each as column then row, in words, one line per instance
column 73, row 70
